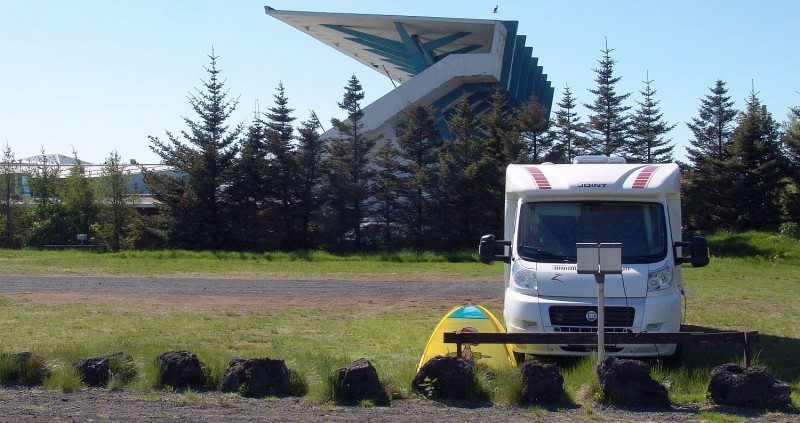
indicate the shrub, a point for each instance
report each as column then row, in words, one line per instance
column 789, row 230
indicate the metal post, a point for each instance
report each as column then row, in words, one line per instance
column 601, row 316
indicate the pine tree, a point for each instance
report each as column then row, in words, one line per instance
column 118, row 219
column 758, row 168
column 649, row 144
column 533, row 124
column 706, row 183
column 417, row 147
column 566, row 130
column 349, row 174
column 609, row 123
column 203, row 159
column 310, row 171
column 281, row 168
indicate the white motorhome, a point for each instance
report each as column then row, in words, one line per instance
column 550, row 208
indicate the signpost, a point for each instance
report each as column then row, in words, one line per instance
column 600, row 260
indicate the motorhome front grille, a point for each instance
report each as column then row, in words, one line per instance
column 576, row 317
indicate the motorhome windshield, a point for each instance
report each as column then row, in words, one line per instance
column 548, row 232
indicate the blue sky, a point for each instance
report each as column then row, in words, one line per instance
column 98, row 76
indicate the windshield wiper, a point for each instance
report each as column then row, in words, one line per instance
column 543, row 253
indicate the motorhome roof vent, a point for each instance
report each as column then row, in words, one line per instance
column 598, row 159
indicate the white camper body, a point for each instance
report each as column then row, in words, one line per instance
column 549, row 208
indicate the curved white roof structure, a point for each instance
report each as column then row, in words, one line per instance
column 435, row 60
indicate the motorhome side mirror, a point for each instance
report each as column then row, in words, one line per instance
column 698, row 252
column 486, row 250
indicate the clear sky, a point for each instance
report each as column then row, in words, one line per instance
column 98, row 76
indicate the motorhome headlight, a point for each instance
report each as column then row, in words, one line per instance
column 660, row 279
column 522, row 277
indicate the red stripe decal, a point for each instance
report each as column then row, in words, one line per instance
column 644, row 177
column 539, row 178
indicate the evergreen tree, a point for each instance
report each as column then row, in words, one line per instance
column 791, row 142
column 78, row 197
column 609, row 123
column 566, row 130
column 533, row 124
column 349, row 174
column 47, row 220
column 11, row 196
column 649, row 144
column 713, row 127
column 247, row 192
column 706, row 182
column 387, row 193
column 500, row 145
column 118, row 218
column 758, row 168
column 203, row 159
column 418, row 143
column 281, row 169
column 310, row 170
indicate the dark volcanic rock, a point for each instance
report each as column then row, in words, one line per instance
column 97, row 371
column 446, row 377
column 180, row 369
column 732, row 384
column 541, row 383
column 257, row 377
column 359, row 381
column 628, row 382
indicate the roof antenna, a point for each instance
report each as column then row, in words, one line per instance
column 316, row 119
column 390, row 76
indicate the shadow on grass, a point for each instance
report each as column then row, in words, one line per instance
column 779, row 355
column 737, row 246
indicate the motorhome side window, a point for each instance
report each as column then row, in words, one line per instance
column 548, row 232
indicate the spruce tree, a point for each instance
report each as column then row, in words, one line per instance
column 118, row 218
column 459, row 194
column 281, row 169
column 648, row 144
column 706, row 182
column 758, row 168
column 11, row 195
column 247, row 192
column 500, row 145
column 47, row 223
column 713, row 127
column 791, row 142
column 349, row 175
column 79, row 200
column 609, row 124
column 533, row 124
column 566, row 130
column 417, row 147
column 203, row 157
column 387, row 192
column 310, row 171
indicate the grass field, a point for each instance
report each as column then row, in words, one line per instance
column 752, row 283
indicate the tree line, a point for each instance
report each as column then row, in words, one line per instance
column 439, row 184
